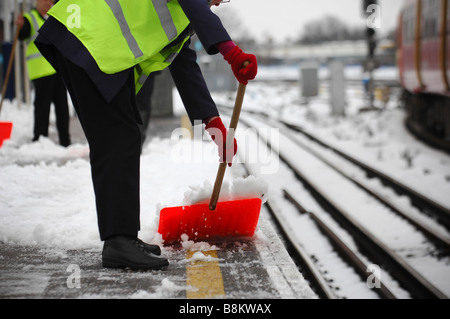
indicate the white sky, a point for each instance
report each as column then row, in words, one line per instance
column 285, row 18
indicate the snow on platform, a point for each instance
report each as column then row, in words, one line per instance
column 49, row 242
column 249, row 269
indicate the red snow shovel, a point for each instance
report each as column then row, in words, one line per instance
column 6, row 127
column 237, row 218
column 5, row 131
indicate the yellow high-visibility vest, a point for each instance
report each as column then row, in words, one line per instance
column 37, row 65
column 121, row 34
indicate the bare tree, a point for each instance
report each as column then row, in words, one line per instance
column 329, row 28
column 232, row 22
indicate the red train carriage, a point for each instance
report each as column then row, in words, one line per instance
column 424, row 64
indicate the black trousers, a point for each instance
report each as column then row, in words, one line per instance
column 144, row 103
column 47, row 90
column 114, row 137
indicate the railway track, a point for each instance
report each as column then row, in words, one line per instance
column 425, row 204
column 367, row 247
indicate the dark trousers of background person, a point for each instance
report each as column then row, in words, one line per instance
column 47, row 90
column 114, row 137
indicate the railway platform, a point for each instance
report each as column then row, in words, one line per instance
column 256, row 268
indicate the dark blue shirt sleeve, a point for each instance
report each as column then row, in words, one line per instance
column 205, row 23
column 191, row 85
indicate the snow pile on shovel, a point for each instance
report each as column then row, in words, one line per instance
column 239, row 188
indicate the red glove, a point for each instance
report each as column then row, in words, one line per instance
column 236, row 58
column 218, row 133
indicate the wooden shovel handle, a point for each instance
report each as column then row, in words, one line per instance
column 230, row 139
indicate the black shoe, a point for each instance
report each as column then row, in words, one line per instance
column 127, row 252
column 154, row 249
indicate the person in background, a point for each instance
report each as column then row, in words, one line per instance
column 105, row 51
column 49, row 86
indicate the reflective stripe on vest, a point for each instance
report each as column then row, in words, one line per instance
column 142, row 77
column 126, row 32
column 37, row 65
column 120, row 34
column 32, row 38
column 35, row 26
column 166, row 18
column 34, row 56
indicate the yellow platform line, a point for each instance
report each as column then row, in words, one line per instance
column 204, row 277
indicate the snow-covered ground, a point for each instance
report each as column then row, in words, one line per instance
column 377, row 138
column 46, row 195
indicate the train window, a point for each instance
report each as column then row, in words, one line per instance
column 409, row 24
column 430, row 28
column 430, row 18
